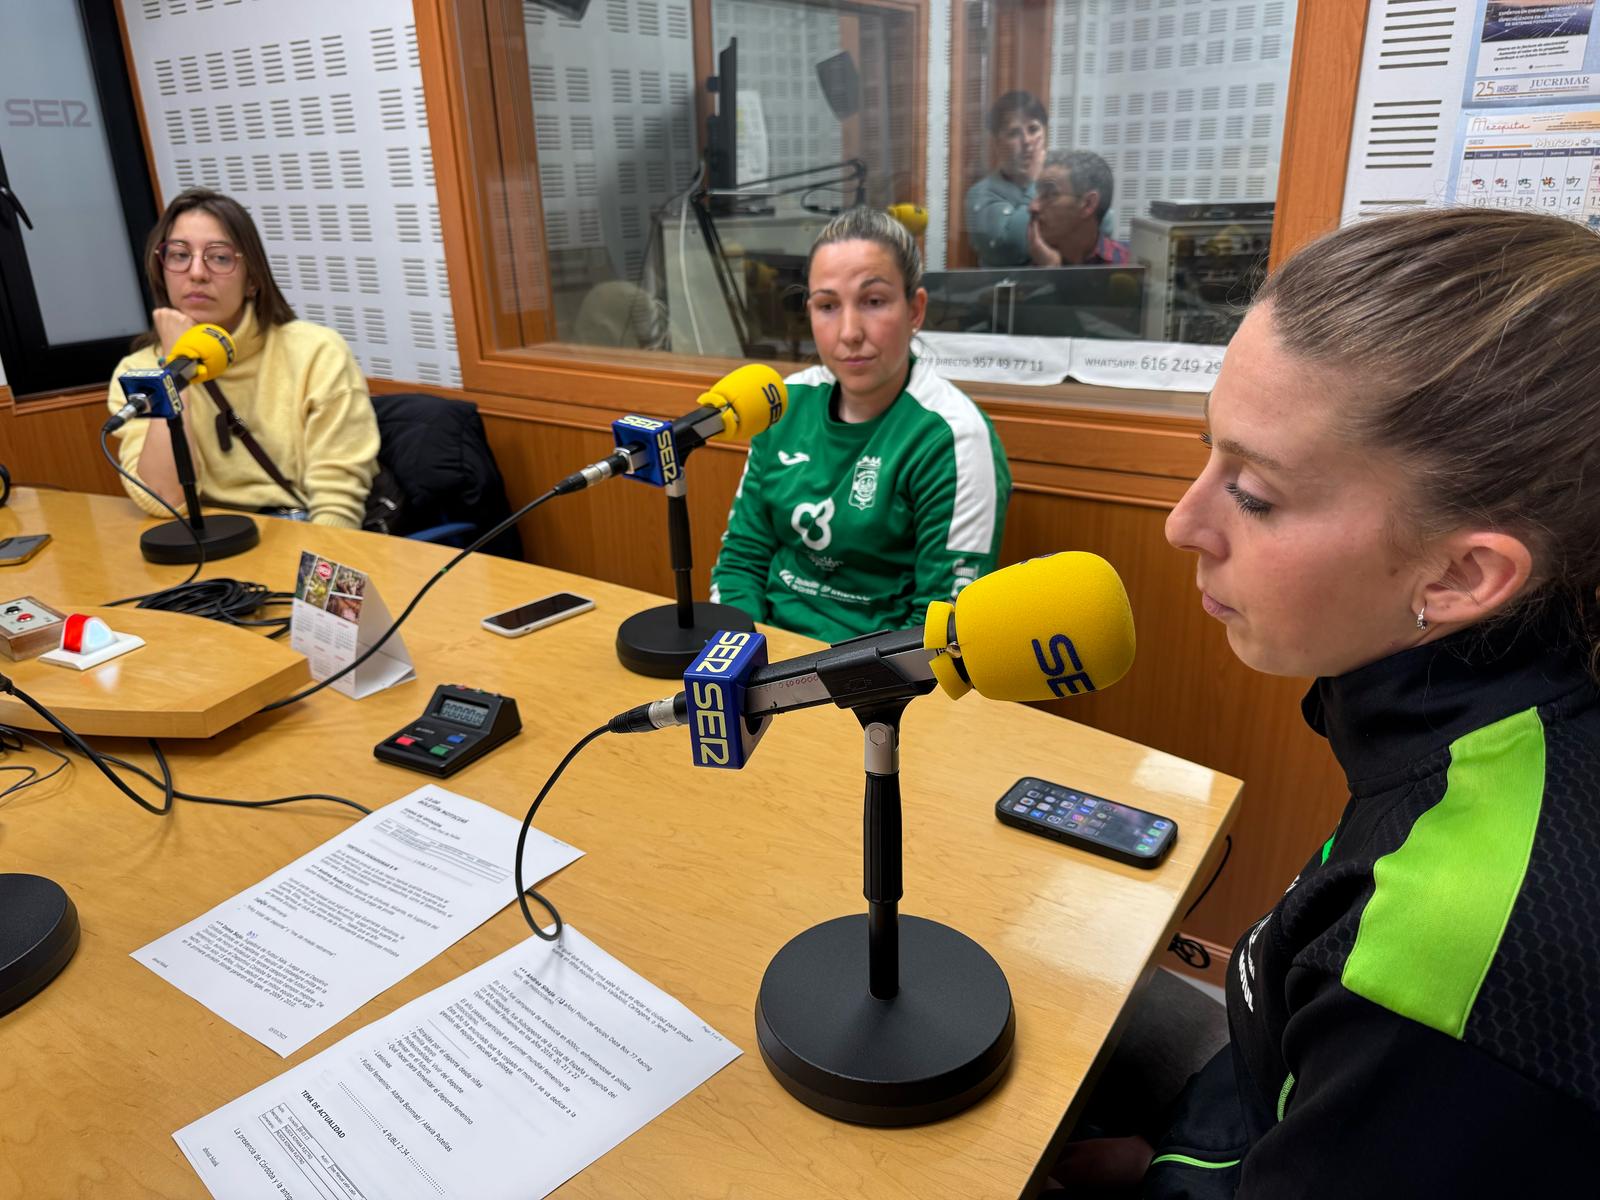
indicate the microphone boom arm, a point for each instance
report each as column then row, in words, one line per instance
column 870, row 669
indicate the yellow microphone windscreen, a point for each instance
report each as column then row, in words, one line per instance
column 750, row 400
column 1045, row 628
column 913, row 216
column 936, row 636
column 208, row 345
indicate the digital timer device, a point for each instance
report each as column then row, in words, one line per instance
column 459, row 726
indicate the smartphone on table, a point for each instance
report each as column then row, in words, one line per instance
column 536, row 614
column 14, row 550
column 1089, row 822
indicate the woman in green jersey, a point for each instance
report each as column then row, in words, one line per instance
column 884, row 486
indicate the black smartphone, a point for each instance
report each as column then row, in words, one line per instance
column 14, row 550
column 1092, row 823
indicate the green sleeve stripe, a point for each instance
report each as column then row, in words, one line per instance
column 1283, row 1094
column 1327, row 847
column 1442, row 899
column 1195, row 1162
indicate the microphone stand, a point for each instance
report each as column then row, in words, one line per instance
column 222, row 536
column 932, row 1031
column 661, row 642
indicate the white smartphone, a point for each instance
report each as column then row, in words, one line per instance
column 536, row 614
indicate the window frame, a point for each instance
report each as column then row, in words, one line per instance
column 37, row 369
column 584, row 382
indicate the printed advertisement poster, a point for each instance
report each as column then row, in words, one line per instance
column 1533, row 51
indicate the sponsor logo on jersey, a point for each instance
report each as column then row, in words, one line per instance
column 813, row 522
column 793, row 460
column 964, row 573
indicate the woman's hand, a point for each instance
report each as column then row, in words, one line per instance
column 1039, row 251
column 169, row 324
column 1096, row 1165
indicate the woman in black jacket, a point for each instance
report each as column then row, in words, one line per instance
column 1403, row 501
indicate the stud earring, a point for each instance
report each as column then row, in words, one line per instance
column 1422, row 617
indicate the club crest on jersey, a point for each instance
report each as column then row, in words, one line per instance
column 864, row 487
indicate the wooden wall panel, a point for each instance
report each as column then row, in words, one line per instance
column 1318, row 121
column 55, row 442
column 617, row 531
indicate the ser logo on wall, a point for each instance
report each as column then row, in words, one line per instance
column 22, row 113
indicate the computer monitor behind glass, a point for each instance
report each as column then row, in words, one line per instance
column 1092, row 300
column 722, row 130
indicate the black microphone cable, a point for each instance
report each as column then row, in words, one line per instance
column 169, row 792
column 1186, row 948
column 199, row 546
column 11, row 742
column 522, row 841
column 231, row 600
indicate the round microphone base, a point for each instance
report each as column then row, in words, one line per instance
column 223, row 537
column 653, row 643
column 38, row 934
column 937, row 1048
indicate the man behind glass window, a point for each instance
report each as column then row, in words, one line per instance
column 997, row 205
column 1070, row 200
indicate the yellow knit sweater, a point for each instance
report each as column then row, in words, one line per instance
column 299, row 390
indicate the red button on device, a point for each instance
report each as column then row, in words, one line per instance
column 402, row 740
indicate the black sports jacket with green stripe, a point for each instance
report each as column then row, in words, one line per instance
column 1419, row 1015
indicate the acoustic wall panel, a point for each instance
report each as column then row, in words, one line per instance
column 613, row 110
column 312, row 116
column 780, row 43
column 1413, row 67
column 1183, row 98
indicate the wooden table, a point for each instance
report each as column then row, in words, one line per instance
column 693, row 878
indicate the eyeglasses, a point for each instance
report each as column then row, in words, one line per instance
column 220, row 258
column 1045, row 193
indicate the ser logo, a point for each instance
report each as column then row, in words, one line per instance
column 721, row 653
column 710, row 724
column 669, row 454
column 711, row 700
column 1062, row 654
column 22, row 113
column 774, row 397
column 719, row 733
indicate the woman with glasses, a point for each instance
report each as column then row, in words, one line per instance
column 294, row 388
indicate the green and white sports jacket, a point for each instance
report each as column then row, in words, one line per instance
column 839, row 529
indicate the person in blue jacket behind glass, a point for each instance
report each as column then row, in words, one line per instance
column 997, row 205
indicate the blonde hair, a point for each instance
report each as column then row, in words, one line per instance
column 874, row 225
